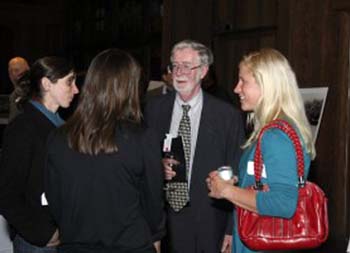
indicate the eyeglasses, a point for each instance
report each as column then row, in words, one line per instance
column 185, row 69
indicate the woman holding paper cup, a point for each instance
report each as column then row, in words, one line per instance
column 268, row 90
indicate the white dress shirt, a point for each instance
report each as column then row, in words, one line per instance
column 194, row 113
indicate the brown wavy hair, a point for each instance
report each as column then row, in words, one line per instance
column 109, row 97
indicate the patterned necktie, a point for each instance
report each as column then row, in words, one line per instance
column 177, row 192
column 185, row 132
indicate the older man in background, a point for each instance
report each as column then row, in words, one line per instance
column 17, row 66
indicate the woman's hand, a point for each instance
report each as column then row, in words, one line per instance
column 55, row 240
column 218, row 187
column 168, row 164
column 227, row 244
column 157, row 246
column 221, row 189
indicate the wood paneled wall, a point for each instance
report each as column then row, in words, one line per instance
column 184, row 19
column 315, row 37
column 319, row 52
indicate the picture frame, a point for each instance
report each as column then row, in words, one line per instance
column 314, row 101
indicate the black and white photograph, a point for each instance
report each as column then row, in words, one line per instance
column 314, row 102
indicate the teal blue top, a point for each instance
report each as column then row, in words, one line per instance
column 53, row 117
column 280, row 174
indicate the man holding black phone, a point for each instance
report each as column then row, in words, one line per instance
column 202, row 133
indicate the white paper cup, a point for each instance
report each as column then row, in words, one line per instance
column 225, row 172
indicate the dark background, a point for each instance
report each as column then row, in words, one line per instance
column 79, row 30
column 313, row 34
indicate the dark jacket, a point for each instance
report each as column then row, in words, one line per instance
column 22, row 176
column 107, row 202
column 201, row 226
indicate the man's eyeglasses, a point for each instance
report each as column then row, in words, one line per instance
column 185, row 69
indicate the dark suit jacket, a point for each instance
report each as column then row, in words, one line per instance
column 22, row 176
column 201, row 226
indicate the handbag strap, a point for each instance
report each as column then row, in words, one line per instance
column 292, row 134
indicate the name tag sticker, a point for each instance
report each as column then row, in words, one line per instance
column 250, row 169
column 167, row 142
column 44, row 200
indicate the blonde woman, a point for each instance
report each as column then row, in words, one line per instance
column 268, row 90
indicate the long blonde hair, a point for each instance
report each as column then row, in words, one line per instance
column 280, row 96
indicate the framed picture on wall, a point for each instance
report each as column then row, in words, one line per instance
column 314, row 102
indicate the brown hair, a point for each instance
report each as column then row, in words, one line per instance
column 29, row 85
column 109, row 97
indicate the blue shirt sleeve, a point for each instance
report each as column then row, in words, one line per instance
column 280, row 163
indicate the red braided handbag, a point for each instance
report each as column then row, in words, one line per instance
column 308, row 228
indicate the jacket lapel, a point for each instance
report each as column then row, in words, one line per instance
column 206, row 133
column 167, row 110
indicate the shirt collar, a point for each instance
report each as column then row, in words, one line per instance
column 53, row 117
column 193, row 102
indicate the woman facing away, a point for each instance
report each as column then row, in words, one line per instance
column 48, row 85
column 104, row 179
column 268, row 90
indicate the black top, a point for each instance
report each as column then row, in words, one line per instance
column 107, row 202
column 22, row 176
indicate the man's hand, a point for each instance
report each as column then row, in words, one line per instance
column 168, row 164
